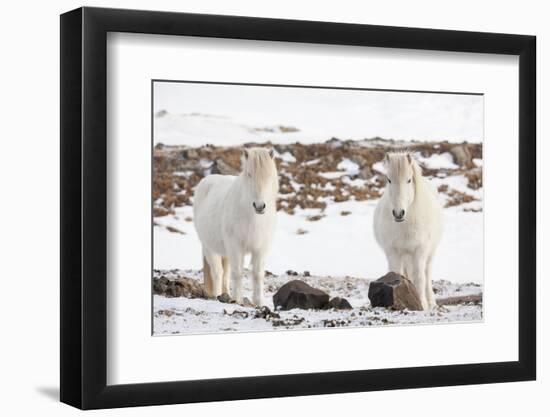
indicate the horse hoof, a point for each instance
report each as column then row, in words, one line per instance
column 258, row 300
column 246, row 303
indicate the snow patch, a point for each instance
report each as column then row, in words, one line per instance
column 350, row 167
column 437, row 161
column 286, row 157
column 331, row 174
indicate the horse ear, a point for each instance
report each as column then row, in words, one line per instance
column 271, row 153
column 386, row 158
column 409, row 158
column 245, row 153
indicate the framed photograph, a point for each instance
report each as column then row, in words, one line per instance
column 256, row 208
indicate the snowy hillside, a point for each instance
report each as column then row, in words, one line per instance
column 196, row 129
column 192, row 114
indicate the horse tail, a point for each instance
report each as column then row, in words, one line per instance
column 225, row 264
column 208, row 282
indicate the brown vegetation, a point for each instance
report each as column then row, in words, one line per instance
column 178, row 169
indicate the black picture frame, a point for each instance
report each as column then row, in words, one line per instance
column 84, row 207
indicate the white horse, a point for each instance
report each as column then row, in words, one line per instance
column 408, row 223
column 235, row 216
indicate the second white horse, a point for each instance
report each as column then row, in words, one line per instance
column 408, row 223
column 235, row 216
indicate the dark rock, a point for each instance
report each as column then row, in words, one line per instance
column 298, row 294
column 159, row 288
column 223, row 168
column 281, row 149
column 160, row 285
column 225, row 298
column 460, row 299
column 335, row 323
column 190, row 153
column 461, row 155
column 167, row 313
column 358, row 159
column 364, row 170
column 238, row 314
column 334, row 142
column 190, row 288
column 181, row 287
column 475, row 178
column 288, row 322
column 339, row 304
column 262, row 312
column 265, row 313
column 365, row 173
column 395, row 291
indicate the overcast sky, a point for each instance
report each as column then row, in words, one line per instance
column 327, row 113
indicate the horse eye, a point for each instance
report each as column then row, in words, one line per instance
column 388, row 180
column 409, row 181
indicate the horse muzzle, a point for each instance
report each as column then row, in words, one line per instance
column 398, row 215
column 259, row 208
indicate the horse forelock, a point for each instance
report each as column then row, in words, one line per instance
column 399, row 163
column 260, row 165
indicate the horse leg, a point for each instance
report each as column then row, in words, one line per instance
column 226, row 273
column 216, row 270
column 395, row 262
column 408, row 266
column 207, row 276
column 258, row 272
column 429, row 289
column 419, row 277
column 236, row 261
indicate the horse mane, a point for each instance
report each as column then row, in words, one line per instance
column 417, row 170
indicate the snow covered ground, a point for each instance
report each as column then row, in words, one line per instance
column 332, row 248
column 348, row 247
column 181, row 315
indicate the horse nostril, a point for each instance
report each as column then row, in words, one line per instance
column 398, row 214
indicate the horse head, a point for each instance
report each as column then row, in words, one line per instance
column 402, row 175
column 260, row 175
